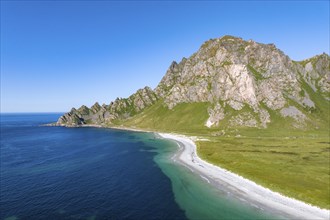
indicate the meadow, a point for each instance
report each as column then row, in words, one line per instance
column 294, row 162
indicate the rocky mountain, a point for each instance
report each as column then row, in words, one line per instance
column 121, row 108
column 240, row 83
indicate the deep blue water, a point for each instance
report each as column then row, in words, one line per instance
column 81, row 173
column 97, row 173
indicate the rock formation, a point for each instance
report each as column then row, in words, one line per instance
column 250, row 78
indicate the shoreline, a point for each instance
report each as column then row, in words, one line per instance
column 224, row 180
column 252, row 193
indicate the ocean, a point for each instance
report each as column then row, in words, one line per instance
column 99, row 173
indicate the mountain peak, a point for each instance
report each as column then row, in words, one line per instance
column 241, row 82
column 230, row 38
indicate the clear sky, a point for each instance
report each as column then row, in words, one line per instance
column 61, row 54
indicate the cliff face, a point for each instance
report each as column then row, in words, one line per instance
column 229, row 74
column 106, row 114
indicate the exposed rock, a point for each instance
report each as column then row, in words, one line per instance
column 231, row 71
column 235, row 104
column 216, row 115
column 264, row 118
column 106, row 114
column 308, row 102
column 316, row 72
column 71, row 119
column 96, row 107
column 293, row 112
column 296, row 114
column 245, row 119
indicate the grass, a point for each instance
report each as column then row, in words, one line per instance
column 184, row 118
column 296, row 167
column 322, row 105
column 257, row 75
column 293, row 162
column 226, row 63
column 290, row 161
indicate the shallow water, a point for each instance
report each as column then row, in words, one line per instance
column 95, row 173
column 199, row 198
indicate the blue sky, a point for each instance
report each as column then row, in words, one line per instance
column 56, row 55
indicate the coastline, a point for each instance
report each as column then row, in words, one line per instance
column 240, row 187
column 224, row 180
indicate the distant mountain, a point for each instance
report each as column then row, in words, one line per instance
column 228, row 83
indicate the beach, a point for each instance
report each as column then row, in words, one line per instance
column 236, row 186
column 244, row 189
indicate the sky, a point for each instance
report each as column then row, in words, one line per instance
column 56, row 55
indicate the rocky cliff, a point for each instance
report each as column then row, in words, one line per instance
column 241, row 82
column 121, row 108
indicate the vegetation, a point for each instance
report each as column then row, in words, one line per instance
column 294, row 166
column 257, row 75
column 226, row 63
column 321, row 104
column 179, row 119
column 290, row 161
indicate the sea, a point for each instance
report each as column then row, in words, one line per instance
column 100, row 173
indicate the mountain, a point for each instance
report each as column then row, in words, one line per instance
column 106, row 114
column 229, row 83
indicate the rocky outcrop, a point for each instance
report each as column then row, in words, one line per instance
column 71, row 119
column 121, row 108
column 231, row 70
column 296, row 114
column 243, row 73
column 243, row 76
column 246, row 119
column 316, row 72
column 216, row 115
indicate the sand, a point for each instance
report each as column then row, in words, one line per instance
column 242, row 188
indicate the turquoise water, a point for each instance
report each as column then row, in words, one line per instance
column 96, row 173
column 197, row 197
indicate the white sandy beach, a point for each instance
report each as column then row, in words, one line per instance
column 245, row 189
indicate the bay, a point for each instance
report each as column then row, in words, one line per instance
column 98, row 173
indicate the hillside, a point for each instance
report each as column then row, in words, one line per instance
column 243, row 84
column 266, row 116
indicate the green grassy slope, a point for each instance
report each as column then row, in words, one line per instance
column 184, row 118
column 292, row 161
